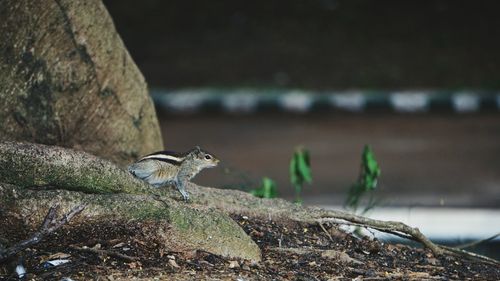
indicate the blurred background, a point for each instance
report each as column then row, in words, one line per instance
column 252, row 80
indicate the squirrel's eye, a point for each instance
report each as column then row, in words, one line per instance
column 208, row 157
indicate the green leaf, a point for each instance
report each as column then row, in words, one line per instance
column 371, row 170
column 367, row 181
column 304, row 166
column 300, row 171
column 268, row 189
column 300, row 167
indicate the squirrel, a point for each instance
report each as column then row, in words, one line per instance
column 170, row 168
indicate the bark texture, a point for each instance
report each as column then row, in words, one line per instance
column 67, row 79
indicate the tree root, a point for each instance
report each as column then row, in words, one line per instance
column 392, row 227
column 402, row 230
column 233, row 201
column 73, row 170
column 49, row 225
column 469, row 255
column 475, row 243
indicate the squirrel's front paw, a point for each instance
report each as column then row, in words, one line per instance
column 185, row 196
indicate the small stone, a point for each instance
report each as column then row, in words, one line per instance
column 234, row 264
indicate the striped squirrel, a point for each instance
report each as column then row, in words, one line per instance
column 170, row 168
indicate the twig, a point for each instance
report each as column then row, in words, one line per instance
column 105, row 253
column 327, row 234
column 49, row 225
column 475, row 243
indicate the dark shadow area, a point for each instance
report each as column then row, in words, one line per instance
column 319, row 44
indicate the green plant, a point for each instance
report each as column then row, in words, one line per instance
column 300, row 171
column 366, row 183
column 266, row 190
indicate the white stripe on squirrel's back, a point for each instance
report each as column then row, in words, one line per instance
column 164, row 156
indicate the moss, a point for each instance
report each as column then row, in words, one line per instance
column 29, row 165
column 149, row 211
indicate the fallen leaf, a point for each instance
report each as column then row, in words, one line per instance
column 341, row 256
column 173, row 264
column 119, row 245
column 206, row 263
column 58, row 256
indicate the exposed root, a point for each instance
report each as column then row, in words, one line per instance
column 475, row 243
column 98, row 176
column 469, row 255
column 384, row 226
column 400, row 229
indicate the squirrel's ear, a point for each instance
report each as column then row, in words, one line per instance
column 197, row 150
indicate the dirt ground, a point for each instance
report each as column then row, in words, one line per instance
column 290, row 251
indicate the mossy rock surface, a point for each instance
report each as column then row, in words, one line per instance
column 36, row 165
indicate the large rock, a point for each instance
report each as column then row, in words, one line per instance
column 66, row 78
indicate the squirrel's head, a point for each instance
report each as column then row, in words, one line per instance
column 203, row 159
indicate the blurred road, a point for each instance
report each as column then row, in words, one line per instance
column 426, row 160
